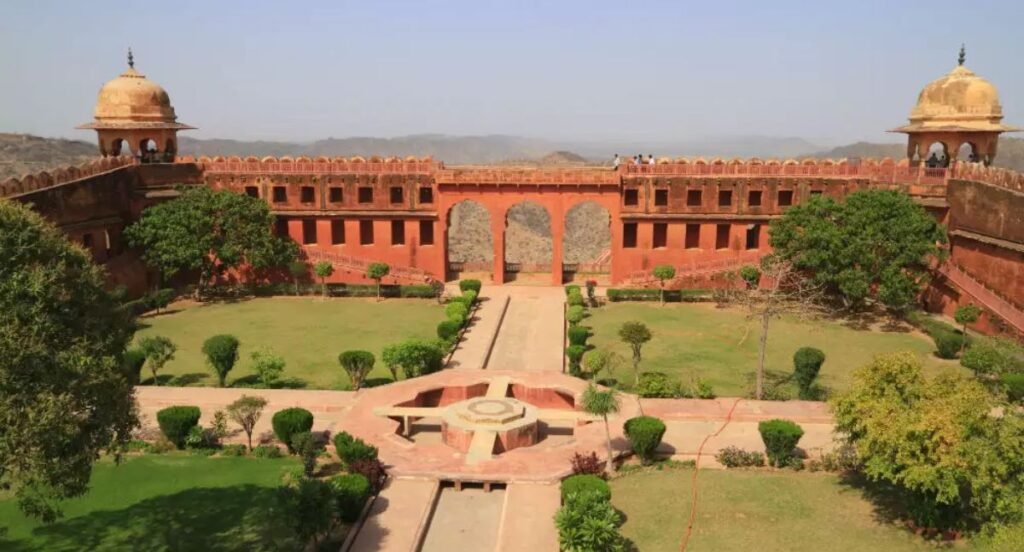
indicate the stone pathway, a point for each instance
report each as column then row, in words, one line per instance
column 472, row 351
column 465, row 520
column 527, row 524
column 398, row 518
column 532, row 335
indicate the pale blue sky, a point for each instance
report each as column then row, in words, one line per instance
column 566, row 70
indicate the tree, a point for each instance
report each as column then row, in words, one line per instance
column 602, row 403
column 877, row 243
column 416, row 357
column 936, row 441
column 807, row 363
column 602, row 360
column 323, row 270
column 298, row 269
column 308, row 509
column 392, row 357
column 268, row 365
column 357, row 365
column 208, row 231
column 245, row 412
column 964, row 315
column 664, row 273
column 64, row 397
column 221, row 353
column 159, row 350
column 751, row 276
column 377, row 272
column 635, row 334
column 132, row 362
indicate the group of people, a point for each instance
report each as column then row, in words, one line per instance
column 638, row 159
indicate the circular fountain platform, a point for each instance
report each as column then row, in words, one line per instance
column 513, row 422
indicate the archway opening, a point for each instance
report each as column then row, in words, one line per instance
column 120, row 148
column 470, row 241
column 938, row 156
column 587, row 242
column 148, row 151
column 529, row 247
column 968, row 153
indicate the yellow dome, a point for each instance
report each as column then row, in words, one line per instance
column 133, row 101
column 959, row 100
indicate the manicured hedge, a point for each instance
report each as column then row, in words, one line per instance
column 578, row 335
column 650, row 294
column 780, row 438
column 644, row 434
column 421, row 291
column 352, row 449
column 470, row 284
column 288, row 422
column 581, row 484
column 350, row 494
column 176, row 421
column 448, row 329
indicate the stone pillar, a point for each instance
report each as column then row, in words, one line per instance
column 498, row 235
column 557, row 234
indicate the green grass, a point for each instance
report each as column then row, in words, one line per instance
column 701, row 341
column 744, row 510
column 161, row 502
column 308, row 332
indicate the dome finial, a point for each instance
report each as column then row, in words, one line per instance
column 963, row 55
column 131, row 59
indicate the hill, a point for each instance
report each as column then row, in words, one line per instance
column 22, row 154
column 1010, row 154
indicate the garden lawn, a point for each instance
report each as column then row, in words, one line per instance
column 745, row 510
column 308, row 332
column 161, row 502
column 702, row 341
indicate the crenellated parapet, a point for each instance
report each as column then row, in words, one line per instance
column 63, row 175
column 993, row 176
column 319, row 165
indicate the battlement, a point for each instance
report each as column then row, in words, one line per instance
column 520, row 175
column 64, row 175
column 320, row 165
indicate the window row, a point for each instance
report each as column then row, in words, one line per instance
column 692, row 235
column 336, row 194
column 695, row 198
column 310, row 232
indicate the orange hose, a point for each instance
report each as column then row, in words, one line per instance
column 696, row 470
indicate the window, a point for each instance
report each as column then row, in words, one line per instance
column 693, row 236
column 336, row 194
column 252, row 191
column 365, row 195
column 87, row 241
column 629, row 235
column 398, row 232
column 722, row 236
column 396, row 195
column 281, row 227
column 337, row 232
column 753, row 236
column 426, row 195
column 308, row 231
column 724, row 198
column 280, row 194
column 660, row 235
column 632, row 197
column 694, row 198
column 754, row 198
column 306, row 194
column 785, row 198
column 366, row 232
column 426, row 231
column 660, row 198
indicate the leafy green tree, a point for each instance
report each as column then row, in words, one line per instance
column 357, row 365
column 635, row 334
column 602, row 403
column 132, row 362
column 298, row 269
column 377, row 272
column 936, row 441
column 245, row 412
column 751, row 276
column 308, row 508
column 392, row 358
column 159, row 350
column 416, row 357
column 323, row 270
column 874, row 240
column 964, row 315
column 64, row 398
column 221, row 353
column 268, row 365
column 663, row 273
column 602, row 360
column 207, row 231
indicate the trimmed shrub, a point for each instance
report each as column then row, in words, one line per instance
column 470, row 297
column 177, row 421
column 357, row 364
column 131, row 365
column 947, row 344
column 419, row 291
column 735, row 457
column 576, row 299
column 649, row 294
column 575, row 354
column 575, row 314
column 221, row 352
column 234, row 450
column 288, row 422
column 587, row 464
column 456, row 310
column 373, row 470
column 704, row 390
column 658, row 385
column 994, row 355
column 1014, row 384
column 448, row 330
column 644, row 434
column 578, row 335
column 465, row 285
column 267, row 451
column 350, row 494
column 353, row 449
column 308, row 447
column 571, row 288
column 807, row 363
column 586, row 523
column 780, row 438
column 462, row 300
column 586, row 484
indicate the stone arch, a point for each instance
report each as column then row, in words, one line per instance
column 968, row 152
column 588, row 237
column 528, row 239
column 470, row 241
column 121, row 147
column 937, row 155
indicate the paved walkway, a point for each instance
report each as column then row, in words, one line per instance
column 398, row 517
column 532, row 334
column 465, row 520
column 527, row 524
column 471, row 353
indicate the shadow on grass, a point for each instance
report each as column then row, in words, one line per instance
column 376, row 382
column 219, row 519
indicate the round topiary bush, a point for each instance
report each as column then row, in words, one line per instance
column 571, row 289
column 644, row 434
column 585, row 484
column 352, row 449
column 576, row 299
column 470, row 297
column 466, row 285
column 350, row 494
column 176, row 422
column 448, row 329
column 288, row 422
column 780, row 438
column 1014, row 384
column 575, row 354
column 578, row 335
column 947, row 344
column 221, row 353
column 806, row 364
column 575, row 314
column 456, row 310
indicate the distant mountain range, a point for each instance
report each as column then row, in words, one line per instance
column 23, row 153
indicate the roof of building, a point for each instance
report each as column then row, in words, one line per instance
column 131, row 101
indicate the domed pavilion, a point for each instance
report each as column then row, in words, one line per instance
column 957, row 109
column 134, row 116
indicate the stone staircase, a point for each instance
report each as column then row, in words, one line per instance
column 644, row 278
column 984, row 297
column 359, row 266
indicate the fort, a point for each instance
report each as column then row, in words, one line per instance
column 431, row 221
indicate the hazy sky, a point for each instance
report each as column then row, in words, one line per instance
column 829, row 72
